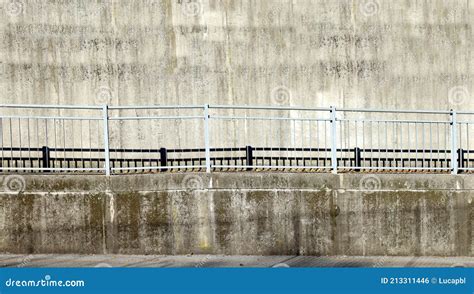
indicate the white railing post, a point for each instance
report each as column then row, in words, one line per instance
column 454, row 143
column 206, row 138
column 105, row 115
column 333, row 140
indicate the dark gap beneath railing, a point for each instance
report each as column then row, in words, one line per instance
column 164, row 159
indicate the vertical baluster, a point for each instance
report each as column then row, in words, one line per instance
column 454, row 143
column 467, row 147
column 333, row 140
column 1, row 142
column 408, row 144
column 401, row 145
column 105, row 124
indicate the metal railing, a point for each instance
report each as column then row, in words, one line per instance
column 129, row 139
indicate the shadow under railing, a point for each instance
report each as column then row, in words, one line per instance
column 91, row 160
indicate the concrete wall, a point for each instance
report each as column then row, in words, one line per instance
column 239, row 213
column 347, row 53
column 357, row 53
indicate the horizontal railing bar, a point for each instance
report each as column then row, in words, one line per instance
column 315, row 149
column 403, row 159
column 78, row 159
column 394, row 168
column 39, row 149
column 269, row 166
column 394, row 111
column 294, row 158
column 223, row 149
column 51, row 169
column 154, row 117
column 50, row 117
column 34, row 106
column 157, row 167
column 375, row 150
column 267, row 118
column 393, row 121
column 157, row 107
column 95, row 159
column 250, row 107
column 203, row 159
column 53, row 149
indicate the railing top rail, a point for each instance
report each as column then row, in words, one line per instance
column 268, row 118
column 250, row 107
column 125, row 107
column 212, row 106
column 50, row 117
column 395, row 111
column 38, row 106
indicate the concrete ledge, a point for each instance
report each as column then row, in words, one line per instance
column 246, row 180
column 240, row 214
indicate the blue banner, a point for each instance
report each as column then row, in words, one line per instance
column 237, row 280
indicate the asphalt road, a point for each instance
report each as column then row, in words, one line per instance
column 61, row 260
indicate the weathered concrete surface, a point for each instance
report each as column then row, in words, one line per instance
column 240, row 214
column 347, row 53
column 202, row 261
column 356, row 53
